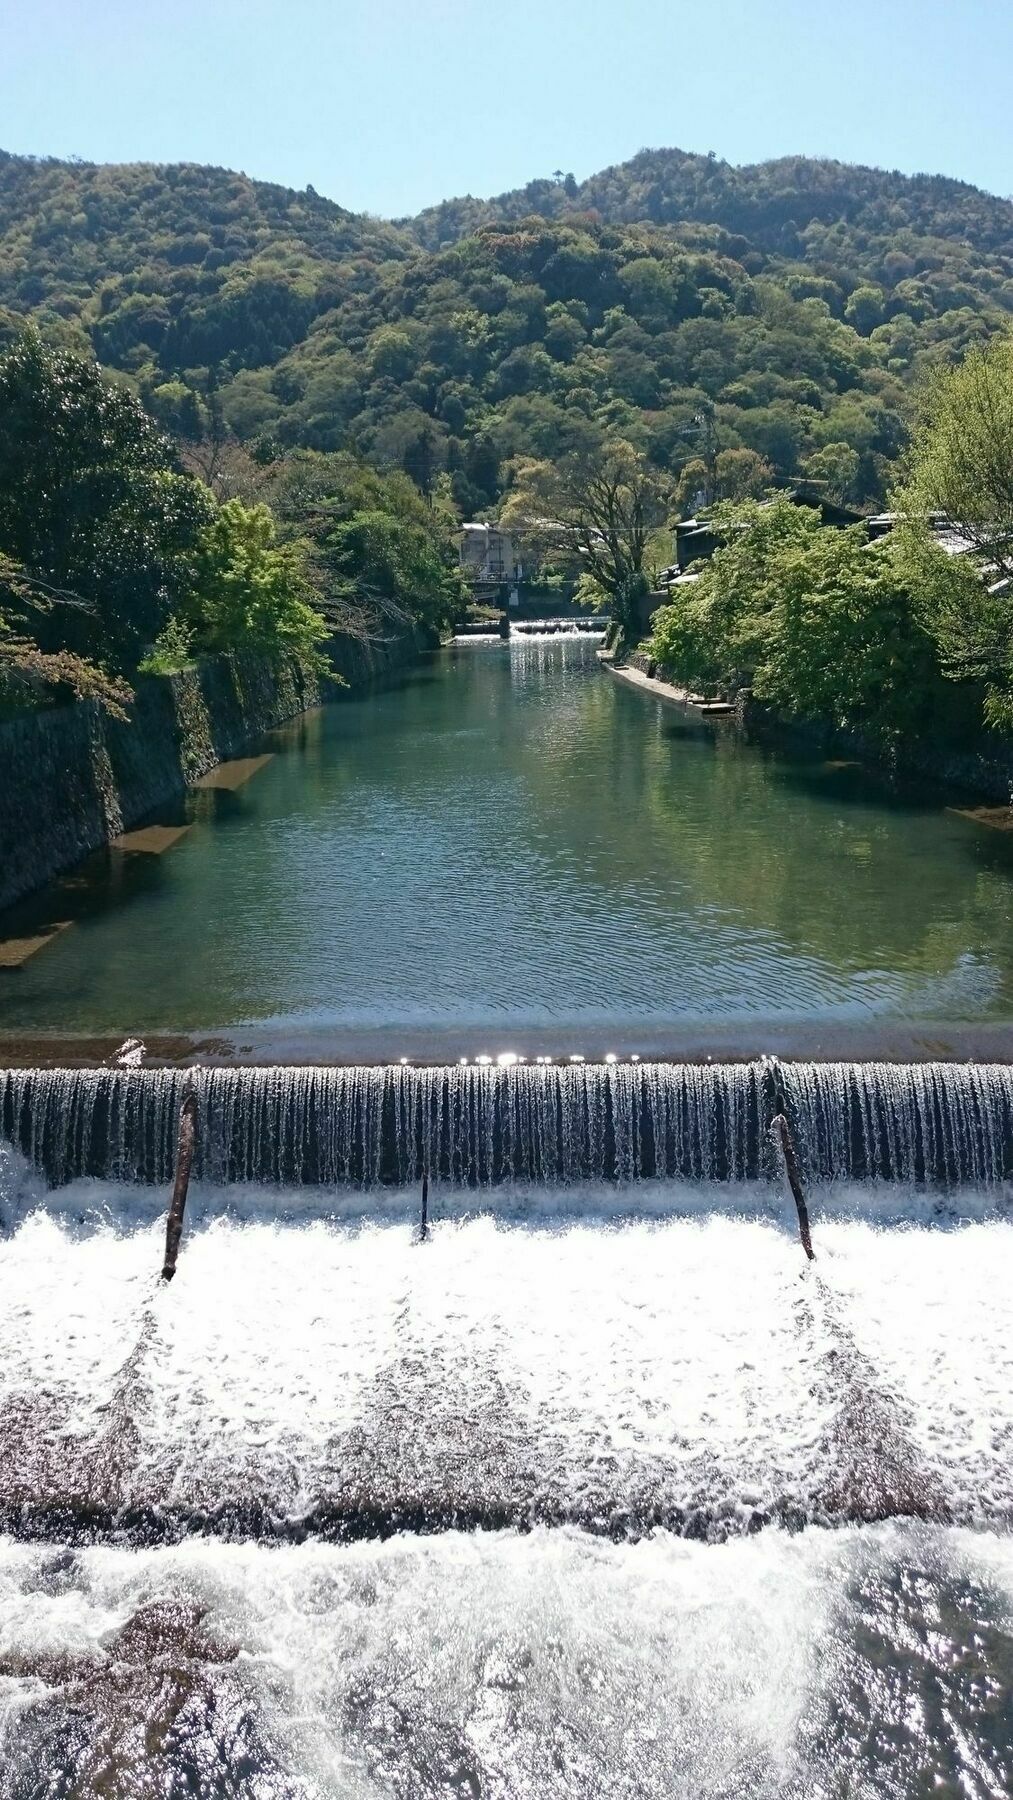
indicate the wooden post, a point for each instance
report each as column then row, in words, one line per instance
column 782, row 1136
column 424, row 1231
column 184, row 1159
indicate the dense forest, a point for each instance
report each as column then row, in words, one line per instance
column 232, row 415
column 690, row 308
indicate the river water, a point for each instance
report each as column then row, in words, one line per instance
column 601, row 1492
column 509, row 850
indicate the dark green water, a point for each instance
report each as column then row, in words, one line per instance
column 510, row 850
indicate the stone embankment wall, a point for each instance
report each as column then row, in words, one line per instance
column 72, row 778
column 984, row 768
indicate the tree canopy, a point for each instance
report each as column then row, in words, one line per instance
column 565, row 357
column 820, row 624
column 799, row 300
column 961, row 467
column 116, row 560
column 93, row 501
column 594, row 512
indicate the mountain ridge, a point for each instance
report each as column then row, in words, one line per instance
column 716, row 178
column 794, row 302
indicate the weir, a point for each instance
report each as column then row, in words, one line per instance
column 936, row 1123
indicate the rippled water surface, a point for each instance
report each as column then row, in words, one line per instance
column 508, row 848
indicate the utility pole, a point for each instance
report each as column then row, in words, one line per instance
column 705, row 422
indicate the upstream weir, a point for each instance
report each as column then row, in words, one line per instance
column 936, row 1123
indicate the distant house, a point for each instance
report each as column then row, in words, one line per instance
column 487, row 554
column 696, row 540
column 944, row 533
column 948, row 538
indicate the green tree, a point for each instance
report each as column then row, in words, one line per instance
column 392, row 353
column 92, row 500
column 733, row 475
column 961, row 460
column 741, row 475
column 384, row 554
column 30, row 676
column 694, row 490
column 835, row 467
column 961, row 467
column 970, row 619
column 390, row 566
column 864, row 309
column 252, row 592
column 606, row 504
column 816, row 622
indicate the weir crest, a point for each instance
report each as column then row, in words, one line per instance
column 941, row 1123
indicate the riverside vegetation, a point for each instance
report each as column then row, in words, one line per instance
column 895, row 637
column 798, row 300
column 245, row 415
column 116, row 560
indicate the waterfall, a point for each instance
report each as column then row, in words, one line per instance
column 922, row 1122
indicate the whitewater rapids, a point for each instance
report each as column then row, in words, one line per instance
column 874, row 1662
column 336, row 1378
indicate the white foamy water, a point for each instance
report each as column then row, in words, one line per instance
column 486, row 1124
column 933, row 1315
column 654, row 1364
column 494, row 1665
column 340, row 1378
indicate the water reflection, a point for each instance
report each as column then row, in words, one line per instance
column 507, row 842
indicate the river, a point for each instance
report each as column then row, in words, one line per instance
column 508, row 850
column 599, row 1490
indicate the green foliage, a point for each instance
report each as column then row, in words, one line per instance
column 171, row 651
column 384, row 555
column 598, row 512
column 970, row 621
column 92, row 501
column 390, row 563
column 734, row 475
column 729, row 327
column 961, row 466
column 865, row 309
column 835, row 467
column 252, row 592
column 962, row 451
column 110, row 554
column 801, row 299
column 818, row 623
column 30, row 676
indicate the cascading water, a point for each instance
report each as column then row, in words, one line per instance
column 933, row 1122
column 518, row 1510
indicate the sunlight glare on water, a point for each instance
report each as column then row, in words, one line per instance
column 552, row 1666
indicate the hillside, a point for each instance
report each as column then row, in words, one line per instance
column 781, row 311
column 782, row 207
column 191, row 265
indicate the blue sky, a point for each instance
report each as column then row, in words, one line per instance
column 394, row 104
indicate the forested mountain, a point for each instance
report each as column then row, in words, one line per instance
column 181, row 264
column 783, row 207
column 780, row 311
